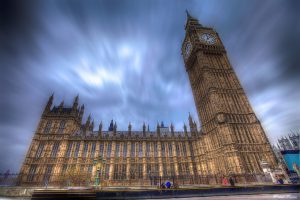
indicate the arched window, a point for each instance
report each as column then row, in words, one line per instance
column 85, row 149
column 61, row 126
column 108, row 150
column 170, row 150
column 77, row 149
column 132, row 149
column 125, row 150
column 101, row 149
column 48, row 127
column 39, row 150
column 68, row 153
column 93, row 150
column 140, row 149
column 55, row 149
column 117, row 150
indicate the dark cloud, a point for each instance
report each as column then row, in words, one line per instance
column 123, row 59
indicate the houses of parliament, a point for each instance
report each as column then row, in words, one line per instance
column 231, row 140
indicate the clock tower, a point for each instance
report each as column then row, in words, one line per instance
column 232, row 140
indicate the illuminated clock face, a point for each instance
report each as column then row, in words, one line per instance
column 187, row 49
column 207, row 38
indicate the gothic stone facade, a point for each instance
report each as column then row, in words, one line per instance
column 231, row 139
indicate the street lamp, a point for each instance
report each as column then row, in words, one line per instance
column 98, row 162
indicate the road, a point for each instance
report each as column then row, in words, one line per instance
column 286, row 196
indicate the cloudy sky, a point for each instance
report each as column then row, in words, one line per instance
column 123, row 59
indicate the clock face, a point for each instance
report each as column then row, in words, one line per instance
column 187, row 49
column 207, row 38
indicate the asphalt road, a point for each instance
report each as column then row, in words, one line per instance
column 286, row 196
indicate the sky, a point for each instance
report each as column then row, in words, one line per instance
column 123, row 59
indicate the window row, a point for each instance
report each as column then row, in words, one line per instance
column 121, row 149
column 60, row 130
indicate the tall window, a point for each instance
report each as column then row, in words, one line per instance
column 90, row 168
column 39, row 150
column 165, row 172
column 77, row 150
column 156, row 169
column 101, row 153
column 184, row 149
column 117, row 149
column 31, row 173
column 132, row 171
column 172, row 169
column 85, row 149
column 155, row 150
column 148, row 150
column 163, row 149
column 170, row 150
column 61, row 126
column 124, row 168
column 180, row 168
column 107, row 171
column 140, row 149
column 108, row 150
column 68, row 153
column 64, row 169
column 55, row 149
column 149, row 168
column 93, row 150
column 187, row 169
column 177, row 149
column 132, row 149
column 48, row 173
column 140, row 170
column 48, row 127
column 125, row 150
column 116, row 172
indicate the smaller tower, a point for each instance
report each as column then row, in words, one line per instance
column 129, row 129
column 172, row 130
column 75, row 103
column 144, row 129
column 49, row 104
column 100, row 129
column 158, row 129
column 185, row 129
column 111, row 126
column 115, row 127
column 81, row 112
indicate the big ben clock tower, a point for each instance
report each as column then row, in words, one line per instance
column 232, row 140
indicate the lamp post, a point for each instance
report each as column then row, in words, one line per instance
column 98, row 162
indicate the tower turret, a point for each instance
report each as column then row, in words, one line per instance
column 115, row 127
column 81, row 112
column 92, row 126
column 61, row 105
column 100, row 129
column 129, row 129
column 172, row 130
column 111, row 126
column 158, row 129
column 49, row 104
column 184, row 128
column 75, row 103
column 144, row 129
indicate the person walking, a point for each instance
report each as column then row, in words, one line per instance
column 224, row 181
column 231, row 181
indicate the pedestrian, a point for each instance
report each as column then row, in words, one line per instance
column 225, row 181
column 231, row 181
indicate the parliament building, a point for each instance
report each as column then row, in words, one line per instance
column 231, row 142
